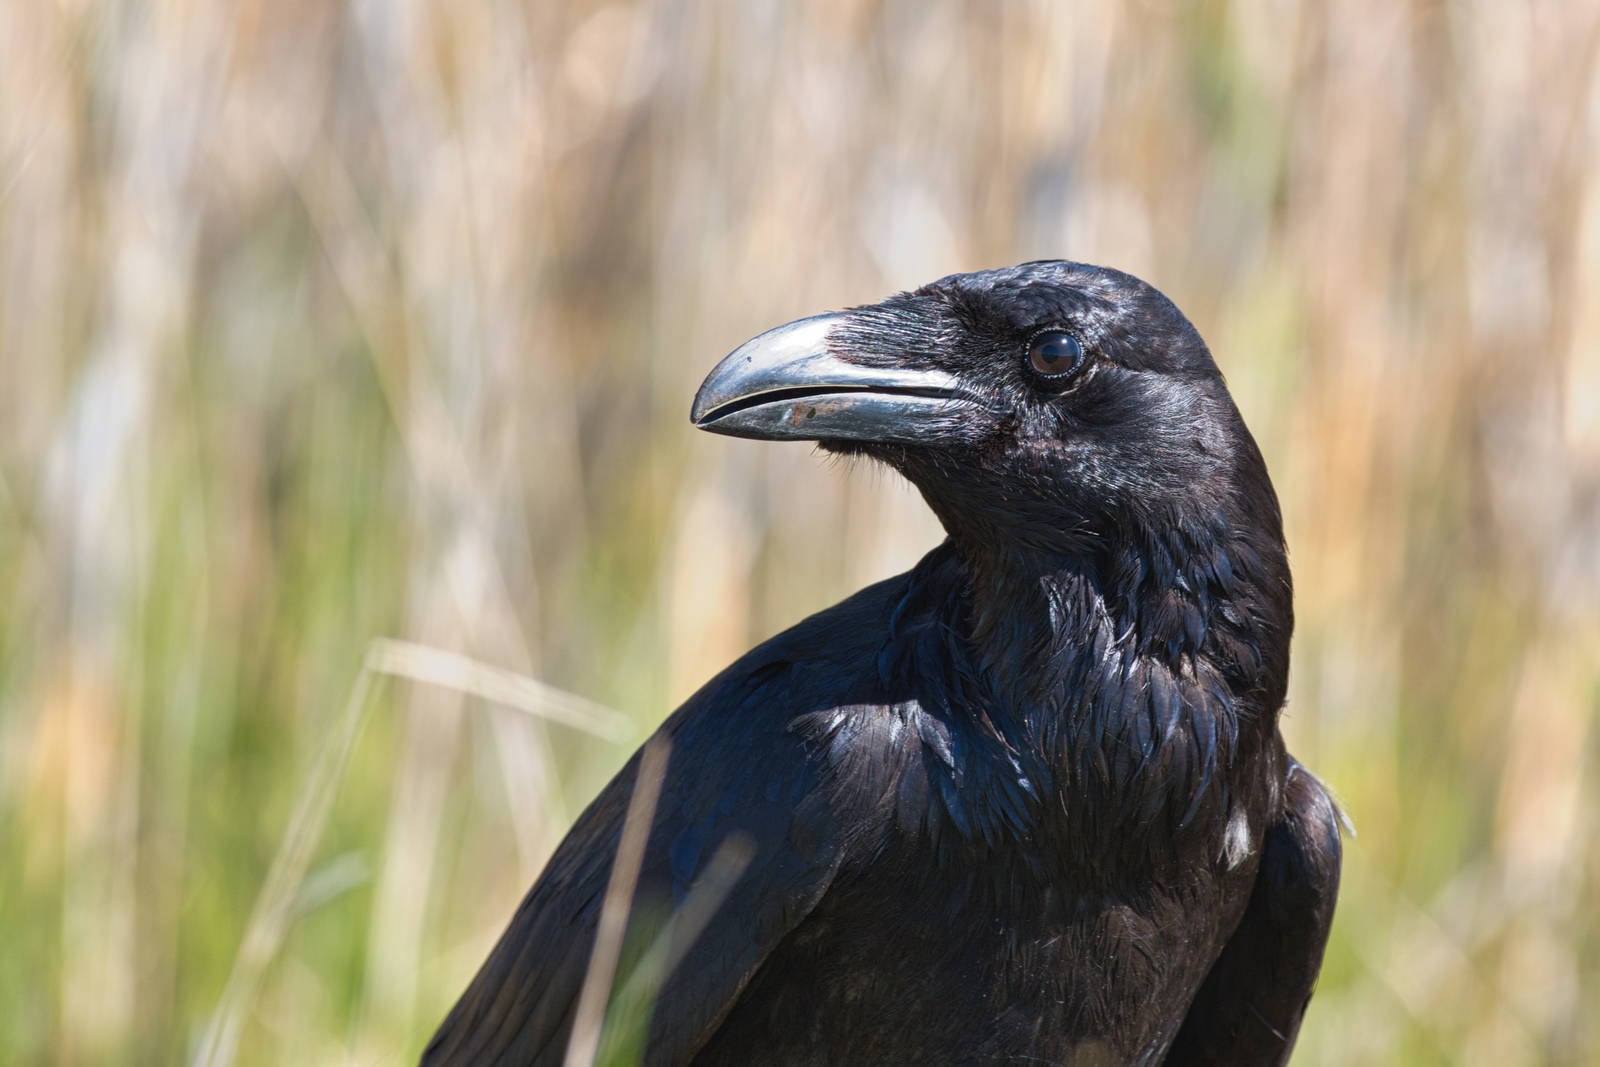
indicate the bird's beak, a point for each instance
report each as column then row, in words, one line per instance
column 788, row 384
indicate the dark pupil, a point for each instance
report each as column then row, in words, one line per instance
column 1055, row 353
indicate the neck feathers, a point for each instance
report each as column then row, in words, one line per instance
column 1144, row 674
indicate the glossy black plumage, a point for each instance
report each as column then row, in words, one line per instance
column 1026, row 803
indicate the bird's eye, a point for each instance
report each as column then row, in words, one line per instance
column 1055, row 355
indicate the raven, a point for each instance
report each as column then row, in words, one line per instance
column 1026, row 803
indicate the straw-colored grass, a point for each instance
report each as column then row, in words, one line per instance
column 323, row 322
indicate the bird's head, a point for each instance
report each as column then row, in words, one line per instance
column 1051, row 406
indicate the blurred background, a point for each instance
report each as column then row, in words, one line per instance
column 346, row 480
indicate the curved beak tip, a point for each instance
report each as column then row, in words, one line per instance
column 778, row 360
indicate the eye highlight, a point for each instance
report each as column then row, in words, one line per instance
column 1055, row 356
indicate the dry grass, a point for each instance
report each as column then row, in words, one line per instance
column 322, row 322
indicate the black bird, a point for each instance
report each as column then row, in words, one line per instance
column 1026, row 803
